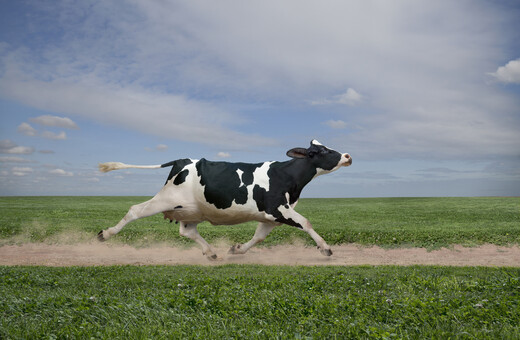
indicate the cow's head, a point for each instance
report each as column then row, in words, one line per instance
column 325, row 160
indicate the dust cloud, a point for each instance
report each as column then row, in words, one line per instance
column 93, row 253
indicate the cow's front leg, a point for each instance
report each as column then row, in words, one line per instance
column 261, row 233
column 291, row 217
column 190, row 231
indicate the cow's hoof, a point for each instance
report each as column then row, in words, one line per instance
column 235, row 249
column 100, row 236
column 212, row 257
column 326, row 252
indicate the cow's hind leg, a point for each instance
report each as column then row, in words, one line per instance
column 145, row 209
column 190, row 231
column 261, row 233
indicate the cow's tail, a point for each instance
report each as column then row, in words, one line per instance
column 109, row 166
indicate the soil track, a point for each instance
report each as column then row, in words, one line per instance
column 96, row 254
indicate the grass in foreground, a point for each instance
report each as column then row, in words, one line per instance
column 387, row 222
column 259, row 302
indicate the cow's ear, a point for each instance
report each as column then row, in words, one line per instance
column 297, row 153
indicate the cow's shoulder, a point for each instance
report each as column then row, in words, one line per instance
column 289, row 178
column 286, row 182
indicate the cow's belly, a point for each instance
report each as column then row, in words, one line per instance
column 234, row 215
column 237, row 213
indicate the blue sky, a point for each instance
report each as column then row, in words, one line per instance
column 425, row 95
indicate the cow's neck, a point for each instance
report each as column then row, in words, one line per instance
column 301, row 171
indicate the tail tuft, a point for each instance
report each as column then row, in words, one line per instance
column 109, row 166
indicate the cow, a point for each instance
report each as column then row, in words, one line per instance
column 225, row 193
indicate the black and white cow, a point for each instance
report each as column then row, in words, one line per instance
column 232, row 193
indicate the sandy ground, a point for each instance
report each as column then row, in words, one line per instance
column 103, row 254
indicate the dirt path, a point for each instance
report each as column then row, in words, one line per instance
column 97, row 254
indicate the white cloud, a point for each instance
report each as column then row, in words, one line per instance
column 51, row 135
column 21, row 171
column 20, row 150
column 510, row 73
column 26, row 129
column 161, row 147
column 55, row 121
column 351, row 97
column 61, row 172
column 7, row 146
column 223, row 154
column 335, row 124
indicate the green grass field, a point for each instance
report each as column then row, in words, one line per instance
column 230, row 302
column 387, row 222
column 265, row 302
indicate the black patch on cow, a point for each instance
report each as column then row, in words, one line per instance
column 181, row 177
column 247, row 178
column 178, row 207
column 290, row 221
column 177, row 167
column 222, row 185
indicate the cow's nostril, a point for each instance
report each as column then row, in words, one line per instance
column 347, row 156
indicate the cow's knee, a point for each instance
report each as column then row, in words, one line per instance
column 187, row 231
column 190, row 231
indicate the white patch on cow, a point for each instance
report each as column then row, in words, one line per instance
column 240, row 173
column 285, row 209
column 320, row 171
column 315, row 142
column 260, row 178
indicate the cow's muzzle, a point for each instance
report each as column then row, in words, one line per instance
column 346, row 159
